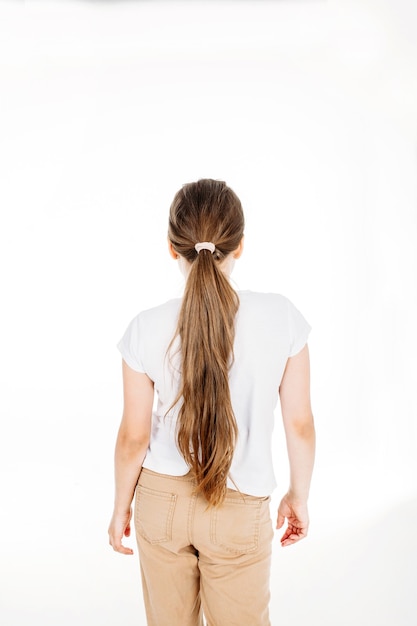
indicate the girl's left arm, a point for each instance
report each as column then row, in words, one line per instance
column 131, row 447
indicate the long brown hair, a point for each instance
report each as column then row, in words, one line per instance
column 207, row 210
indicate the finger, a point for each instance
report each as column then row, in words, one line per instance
column 287, row 542
column 119, row 547
column 290, row 542
column 127, row 531
column 123, row 550
column 116, row 544
column 291, row 538
column 280, row 520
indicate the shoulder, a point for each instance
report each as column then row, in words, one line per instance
column 268, row 306
column 166, row 308
column 263, row 300
column 263, row 309
column 165, row 312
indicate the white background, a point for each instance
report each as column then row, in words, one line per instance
column 308, row 111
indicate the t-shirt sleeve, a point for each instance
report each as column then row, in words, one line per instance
column 129, row 346
column 299, row 330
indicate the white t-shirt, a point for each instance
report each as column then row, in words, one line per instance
column 268, row 330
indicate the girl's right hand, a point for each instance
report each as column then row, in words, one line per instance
column 296, row 514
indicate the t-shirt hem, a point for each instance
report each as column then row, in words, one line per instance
column 131, row 363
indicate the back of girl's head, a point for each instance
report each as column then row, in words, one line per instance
column 206, row 211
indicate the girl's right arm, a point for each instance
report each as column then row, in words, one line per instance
column 300, row 435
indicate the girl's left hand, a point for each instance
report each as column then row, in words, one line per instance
column 119, row 528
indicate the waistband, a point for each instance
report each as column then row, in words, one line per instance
column 186, row 485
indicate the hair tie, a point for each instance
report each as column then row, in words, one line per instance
column 205, row 245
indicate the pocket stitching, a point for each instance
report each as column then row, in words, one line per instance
column 238, row 549
column 169, row 498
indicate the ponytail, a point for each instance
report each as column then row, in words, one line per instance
column 206, row 427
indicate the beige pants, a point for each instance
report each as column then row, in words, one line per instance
column 194, row 558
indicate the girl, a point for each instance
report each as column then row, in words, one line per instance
column 201, row 462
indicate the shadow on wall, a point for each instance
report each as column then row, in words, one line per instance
column 364, row 577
